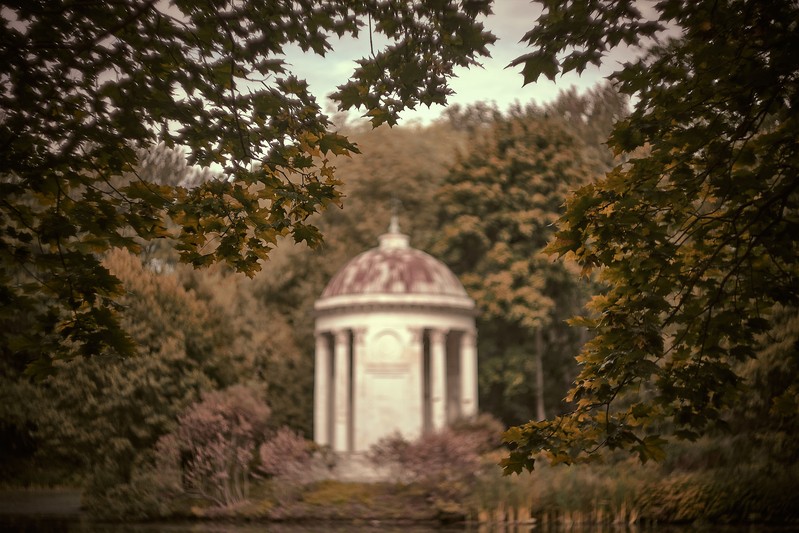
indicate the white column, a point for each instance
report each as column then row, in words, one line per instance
column 356, row 416
column 342, row 392
column 417, row 358
column 321, row 390
column 438, row 378
column 468, row 353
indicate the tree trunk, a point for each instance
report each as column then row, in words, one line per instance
column 539, row 375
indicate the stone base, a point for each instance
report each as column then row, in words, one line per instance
column 355, row 466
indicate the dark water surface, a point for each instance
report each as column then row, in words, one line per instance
column 75, row 524
column 57, row 511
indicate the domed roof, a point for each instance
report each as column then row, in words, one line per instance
column 394, row 272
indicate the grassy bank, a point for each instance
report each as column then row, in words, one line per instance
column 599, row 494
column 618, row 493
column 453, row 477
column 626, row 492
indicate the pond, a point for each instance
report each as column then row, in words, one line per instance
column 58, row 511
column 76, row 524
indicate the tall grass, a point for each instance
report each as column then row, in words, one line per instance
column 623, row 492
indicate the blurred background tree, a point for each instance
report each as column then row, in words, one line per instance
column 692, row 236
column 497, row 210
column 88, row 87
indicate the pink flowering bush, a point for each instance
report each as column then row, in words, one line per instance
column 287, row 453
column 445, row 462
column 216, row 439
column 444, row 455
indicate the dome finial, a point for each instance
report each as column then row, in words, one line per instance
column 393, row 226
column 393, row 238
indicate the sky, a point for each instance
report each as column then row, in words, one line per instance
column 492, row 83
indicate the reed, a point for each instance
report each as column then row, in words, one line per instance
column 568, row 497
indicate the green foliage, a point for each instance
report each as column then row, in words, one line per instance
column 87, row 88
column 765, row 423
column 270, row 355
column 591, row 490
column 149, row 494
column 731, row 495
column 497, row 209
column 693, row 237
column 445, row 463
column 102, row 414
column 215, row 442
column 205, row 460
column 623, row 491
column 20, row 402
column 415, row 68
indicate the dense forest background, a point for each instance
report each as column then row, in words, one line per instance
column 481, row 188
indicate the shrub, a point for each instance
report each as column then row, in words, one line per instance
column 149, row 493
column 287, row 453
column 217, row 439
column 445, row 462
column 446, row 455
column 726, row 495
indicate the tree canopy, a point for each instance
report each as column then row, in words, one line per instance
column 497, row 211
column 86, row 86
column 694, row 236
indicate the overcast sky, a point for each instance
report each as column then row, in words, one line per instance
column 510, row 21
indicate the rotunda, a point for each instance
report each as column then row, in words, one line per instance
column 395, row 348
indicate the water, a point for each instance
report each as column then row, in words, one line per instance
column 78, row 524
column 58, row 511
